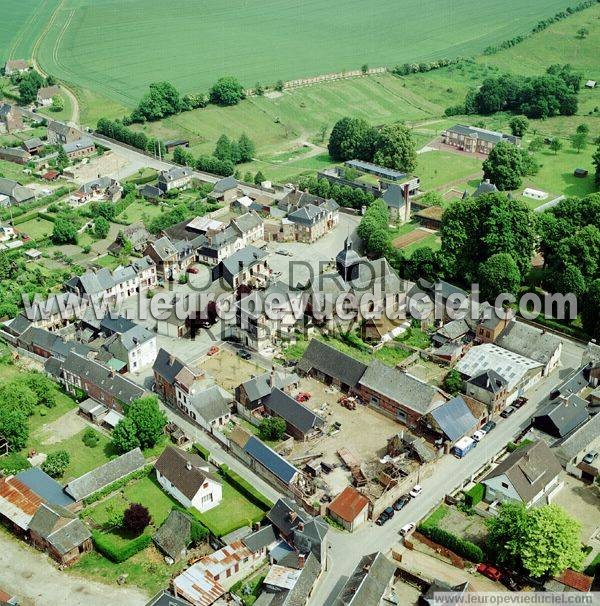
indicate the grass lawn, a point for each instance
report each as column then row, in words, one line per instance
column 140, row 211
column 254, row 430
column 43, row 416
column 436, row 517
column 64, row 115
column 439, row 169
column 107, row 261
column 415, row 337
column 234, row 511
column 13, row 171
column 390, row 355
column 36, row 228
column 433, row 241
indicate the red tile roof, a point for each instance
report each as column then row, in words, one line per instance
column 576, row 580
column 348, row 504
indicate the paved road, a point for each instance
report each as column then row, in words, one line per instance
column 31, row 576
column 450, row 473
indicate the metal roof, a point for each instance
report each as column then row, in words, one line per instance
column 271, row 460
column 454, row 418
column 45, row 486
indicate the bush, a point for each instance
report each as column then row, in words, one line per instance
column 203, row 452
column 461, row 547
column 13, row 463
column 474, row 495
column 104, row 545
column 136, row 518
column 253, row 495
column 90, row 438
column 56, row 463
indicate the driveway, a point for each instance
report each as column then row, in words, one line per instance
column 34, row 579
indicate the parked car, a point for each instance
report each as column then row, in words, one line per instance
column 290, row 363
column 507, row 411
column 510, row 583
column 303, row 397
column 489, row 426
column 519, row 402
column 282, row 251
column 407, row 528
column 416, row 491
column 590, row 457
column 479, row 435
column 192, row 270
column 390, row 512
column 401, row 502
column 245, row 355
column 489, row 571
column 212, row 351
column 384, row 516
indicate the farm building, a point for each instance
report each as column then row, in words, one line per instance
column 350, row 508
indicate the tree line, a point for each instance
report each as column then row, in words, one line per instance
column 117, row 130
column 551, row 94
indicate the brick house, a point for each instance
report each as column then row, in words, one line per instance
column 475, row 140
column 10, row 118
column 60, row 134
column 80, row 148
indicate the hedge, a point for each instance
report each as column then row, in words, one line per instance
column 135, row 475
column 103, row 544
column 13, row 463
column 202, row 451
column 461, row 547
column 474, row 495
column 253, row 495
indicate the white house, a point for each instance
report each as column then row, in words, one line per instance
column 529, row 475
column 187, row 478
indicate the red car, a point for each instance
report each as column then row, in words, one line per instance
column 303, row 397
column 192, row 270
column 489, row 571
column 213, row 350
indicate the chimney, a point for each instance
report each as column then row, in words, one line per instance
column 188, row 466
column 301, row 526
column 241, row 265
column 293, row 516
column 171, row 359
column 301, row 560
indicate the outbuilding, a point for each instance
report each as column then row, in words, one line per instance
column 350, row 508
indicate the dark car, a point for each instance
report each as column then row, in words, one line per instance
column 401, row 502
column 507, row 411
column 382, row 519
column 519, row 402
column 510, row 583
column 489, row 426
column 389, row 511
column 245, row 355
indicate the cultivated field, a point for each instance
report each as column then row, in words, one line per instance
column 119, row 47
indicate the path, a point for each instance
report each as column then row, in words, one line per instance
column 73, row 99
column 32, row 576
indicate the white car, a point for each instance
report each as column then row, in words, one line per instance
column 416, row 491
column 478, row 435
column 407, row 528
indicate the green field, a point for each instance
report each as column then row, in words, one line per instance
column 118, row 47
column 439, row 168
column 36, row 228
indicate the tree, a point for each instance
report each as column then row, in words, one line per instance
column 556, row 145
column 44, row 389
column 56, row 463
column 504, row 166
column 567, row 280
column 57, row 104
column 453, row 382
column 499, row 274
column 259, row 177
column 62, row 160
column 536, row 144
column 136, row 519
column 101, row 227
column 227, row 150
column 590, row 310
column 246, row 148
column 90, row 438
column 14, row 427
column 124, row 436
column 579, row 141
column 395, row 148
column 519, row 125
column 161, row 101
column 352, row 138
column 271, row 428
column 541, row 540
column 596, row 163
column 227, row 91
column 583, row 128
column 64, row 232
column 149, row 420
column 424, row 264
column 16, row 394
column 583, row 32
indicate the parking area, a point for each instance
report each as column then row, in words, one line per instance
column 582, row 501
column 229, row 370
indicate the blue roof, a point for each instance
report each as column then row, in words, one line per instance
column 454, row 418
column 44, row 486
column 268, row 458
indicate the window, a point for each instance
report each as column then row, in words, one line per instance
column 505, row 485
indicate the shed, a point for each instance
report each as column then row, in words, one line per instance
column 590, row 84
column 350, row 508
column 453, row 419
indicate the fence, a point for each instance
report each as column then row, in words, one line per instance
column 335, row 76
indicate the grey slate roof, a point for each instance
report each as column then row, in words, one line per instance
column 83, row 143
column 61, row 528
column 529, row 468
column 489, row 380
column 247, row 222
column 225, row 184
column 164, row 598
column 210, row 403
column 164, row 248
column 248, row 256
column 116, row 385
column 106, row 474
column 260, row 539
column 307, row 215
column 561, row 416
column 369, row 167
column 454, row 418
column 401, row 387
column 45, row 486
column 294, row 413
column 174, row 536
column 368, row 582
column 167, row 365
column 485, row 187
column 331, row 362
column 300, row 592
column 481, row 133
column 529, row 341
column 173, row 465
column 259, row 387
column 271, row 460
column 174, row 174
column 578, row 441
column 15, row 191
column 394, row 196
column 280, row 515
